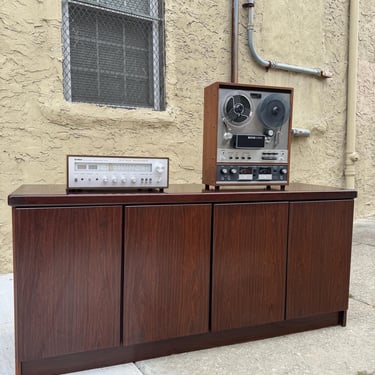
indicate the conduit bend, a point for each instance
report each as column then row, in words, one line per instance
column 268, row 64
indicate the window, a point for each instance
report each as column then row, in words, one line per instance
column 113, row 52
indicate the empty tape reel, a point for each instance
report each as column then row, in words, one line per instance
column 273, row 112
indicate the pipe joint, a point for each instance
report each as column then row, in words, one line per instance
column 249, row 4
column 326, row 74
column 353, row 157
column 272, row 65
column 297, row 132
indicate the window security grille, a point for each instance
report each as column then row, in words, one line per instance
column 113, row 52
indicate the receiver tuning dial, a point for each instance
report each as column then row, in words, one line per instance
column 159, row 168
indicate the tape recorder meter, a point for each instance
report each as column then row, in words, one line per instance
column 246, row 135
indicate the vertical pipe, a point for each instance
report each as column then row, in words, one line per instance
column 351, row 156
column 234, row 42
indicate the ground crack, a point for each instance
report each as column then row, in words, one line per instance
column 362, row 301
column 140, row 371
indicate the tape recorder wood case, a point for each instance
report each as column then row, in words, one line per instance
column 246, row 135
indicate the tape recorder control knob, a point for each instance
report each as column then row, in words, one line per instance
column 133, row 180
column 114, row 179
column 105, row 179
column 269, row 133
column 233, row 171
column 224, row 170
column 283, row 171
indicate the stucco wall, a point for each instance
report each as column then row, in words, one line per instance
column 365, row 179
column 38, row 128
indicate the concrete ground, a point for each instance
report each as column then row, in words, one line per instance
column 329, row 351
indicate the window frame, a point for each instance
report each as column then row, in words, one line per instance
column 157, row 50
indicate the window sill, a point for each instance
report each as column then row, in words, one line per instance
column 64, row 113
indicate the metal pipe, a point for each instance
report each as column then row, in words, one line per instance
column 350, row 155
column 268, row 64
column 298, row 132
column 234, row 47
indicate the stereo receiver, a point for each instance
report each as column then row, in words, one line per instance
column 246, row 135
column 116, row 173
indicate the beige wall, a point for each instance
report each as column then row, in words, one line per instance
column 38, row 128
column 365, row 180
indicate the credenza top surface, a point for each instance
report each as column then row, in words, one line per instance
column 56, row 195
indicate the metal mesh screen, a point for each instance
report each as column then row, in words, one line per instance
column 114, row 52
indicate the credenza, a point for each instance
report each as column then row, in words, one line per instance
column 103, row 278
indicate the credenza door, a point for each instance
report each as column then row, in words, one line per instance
column 166, row 272
column 67, row 280
column 249, row 264
column 319, row 252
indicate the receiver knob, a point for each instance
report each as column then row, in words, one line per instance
column 133, row 180
column 114, row 179
column 283, row 171
column 105, row 179
column 159, row 168
column 224, row 170
column 233, row 171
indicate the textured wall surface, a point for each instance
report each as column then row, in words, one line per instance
column 365, row 178
column 38, row 128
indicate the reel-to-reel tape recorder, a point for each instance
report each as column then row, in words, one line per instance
column 246, row 135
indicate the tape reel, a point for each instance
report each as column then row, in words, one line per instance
column 237, row 110
column 273, row 112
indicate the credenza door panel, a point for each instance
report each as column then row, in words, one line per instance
column 249, row 264
column 167, row 271
column 319, row 252
column 68, row 279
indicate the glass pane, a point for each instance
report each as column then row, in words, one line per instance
column 112, row 89
column 131, row 6
column 111, row 59
column 110, row 29
column 84, row 86
column 138, row 93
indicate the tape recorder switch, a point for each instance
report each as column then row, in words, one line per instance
column 116, row 173
column 246, row 135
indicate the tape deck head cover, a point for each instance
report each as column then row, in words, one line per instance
column 246, row 124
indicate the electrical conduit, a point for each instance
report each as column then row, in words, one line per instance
column 268, row 64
